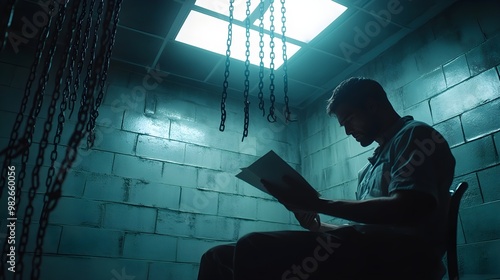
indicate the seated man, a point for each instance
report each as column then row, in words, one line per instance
column 399, row 219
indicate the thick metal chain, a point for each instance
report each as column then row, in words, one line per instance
column 271, row 117
column 15, row 132
column 82, row 54
column 47, row 127
column 261, row 56
column 71, row 95
column 28, row 133
column 91, row 123
column 225, row 84
column 247, row 72
column 110, row 39
column 285, row 60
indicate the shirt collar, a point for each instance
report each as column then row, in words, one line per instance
column 388, row 134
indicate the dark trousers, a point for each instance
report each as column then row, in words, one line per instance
column 340, row 254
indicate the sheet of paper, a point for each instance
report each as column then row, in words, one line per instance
column 273, row 168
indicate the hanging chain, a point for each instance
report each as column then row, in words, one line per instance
column 271, row 117
column 82, row 52
column 71, row 95
column 53, row 194
column 225, row 84
column 104, row 40
column 285, row 60
column 29, row 129
column 261, row 56
column 15, row 133
column 110, row 39
column 247, row 71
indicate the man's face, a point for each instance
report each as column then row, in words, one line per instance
column 361, row 124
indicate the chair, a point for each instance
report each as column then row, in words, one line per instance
column 451, row 247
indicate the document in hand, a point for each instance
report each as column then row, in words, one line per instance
column 272, row 168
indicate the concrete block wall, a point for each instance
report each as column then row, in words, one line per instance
column 446, row 74
column 158, row 189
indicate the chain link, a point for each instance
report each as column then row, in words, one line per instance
column 81, row 53
column 271, row 117
column 261, row 56
column 285, row 61
column 225, row 84
column 28, row 135
column 104, row 41
column 15, row 134
column 247, row 72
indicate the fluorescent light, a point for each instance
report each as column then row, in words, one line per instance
column 210, row 33
column 304, row 19
column 222, row 7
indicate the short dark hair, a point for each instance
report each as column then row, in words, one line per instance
column 355, row 91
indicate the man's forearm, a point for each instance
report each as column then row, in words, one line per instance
column 385, row 210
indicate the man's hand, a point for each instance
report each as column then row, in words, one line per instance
column 308, row 220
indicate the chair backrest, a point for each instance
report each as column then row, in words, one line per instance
column 451, row 250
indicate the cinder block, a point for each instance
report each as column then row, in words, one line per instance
column 112, row 140
column 106, row 188
column 93, row 161
column 451, row 131
column 481, row 223
column 488, row 180
column 248, row 190
column 50, row 242
column 130, row 218
column 472, row 196
column 272, row 211
column 175, row 223
column 203, row 157
column 198, row 201
column 485, row 56
column 474, row 155
column 190, row 132
column 480, row 259
column 481, row 120
column 69, row 212
column 460, row 98
column 90, row 241
column 155, row 195
column 160, row 149
column 139, row 123
column 457, row 32
column 137, row 168
column 456, row 71
column 237, row 206
column 423, row 88
column 165, row 270
column 214, row 227
column 110, row 117
column 150, row 247
column 232, row 162
column 217, row 181
column 179, row 175
column 191, row 250
column 74, row 184
column 420, row 112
